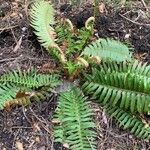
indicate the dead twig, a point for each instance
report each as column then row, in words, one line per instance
column 134, row 22
column 144, row 4
column 12, row 31
column 42, row 122
column 25, row 58
column 18, row 45
column 24, row 113
column 8, row 59
column 7, row 28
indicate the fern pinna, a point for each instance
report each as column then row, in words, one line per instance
column 122, row 85
column 74, row 121
column 21, row 87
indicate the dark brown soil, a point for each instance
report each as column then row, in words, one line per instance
column 31, row 126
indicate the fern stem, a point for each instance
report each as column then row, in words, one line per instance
column 62, row 55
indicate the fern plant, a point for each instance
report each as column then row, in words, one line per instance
column 68, row 44
column 120, row 85
column 74, row 118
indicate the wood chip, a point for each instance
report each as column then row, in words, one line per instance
column 18, row 45
column 19, row 145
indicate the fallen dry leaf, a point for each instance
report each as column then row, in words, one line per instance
column 36, row 127
column 37, row 139
column 102, row 8
column 19, row 145
column 66, row 145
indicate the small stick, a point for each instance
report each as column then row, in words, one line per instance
column 134, row 22
column 7, row 28
column 144, row 4
column 25, row 58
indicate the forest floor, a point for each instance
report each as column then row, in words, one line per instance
column 31, row 127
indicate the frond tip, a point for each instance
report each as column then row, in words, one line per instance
column 74, row 119
column 108, row 49
column 42, row 17
column 127, row 121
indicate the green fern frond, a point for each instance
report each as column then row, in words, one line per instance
column 30, row 85
column 42, row 19
column 74, row 121
column 30, row 79
column 127, row 121
column 127, row 90
column 124, row 88
column 107, row 49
